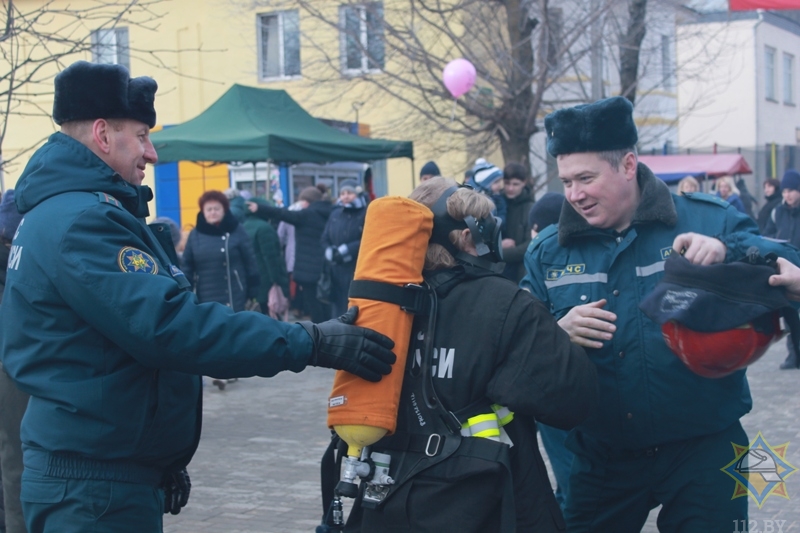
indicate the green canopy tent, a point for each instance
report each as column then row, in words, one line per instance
column 250, row 125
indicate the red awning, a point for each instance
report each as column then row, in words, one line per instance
column 674, row 167
column 750, row 5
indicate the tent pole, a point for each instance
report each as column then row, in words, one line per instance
column 254, row 189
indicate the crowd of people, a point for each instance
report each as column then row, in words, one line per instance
column 108, row 324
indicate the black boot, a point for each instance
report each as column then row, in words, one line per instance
column 790, row 362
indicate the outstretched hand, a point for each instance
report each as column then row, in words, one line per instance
column 788, row 276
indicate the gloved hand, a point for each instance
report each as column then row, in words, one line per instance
column 329, row 253
column 337, row 257
column 177, row 487
column 340, row 345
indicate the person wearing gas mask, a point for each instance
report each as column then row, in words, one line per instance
column 100, row 327
column 496, row 360
column 661, row 433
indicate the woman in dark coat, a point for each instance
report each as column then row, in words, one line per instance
column 341, row 241
column 309, row 224
column 772, row 192
column 219, row 260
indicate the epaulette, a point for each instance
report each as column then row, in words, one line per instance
column 542, row 236
column 108, row 199
column 705, row 197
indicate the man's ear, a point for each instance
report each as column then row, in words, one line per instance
column 629, row 165
column 101, row 135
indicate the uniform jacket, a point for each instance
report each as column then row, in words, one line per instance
column 516, row 227
column 784, row 224
column 220, row 263
column 309, row 224
column 269, row 257
column 647, row 395
column 103, row 332
column 493, row 342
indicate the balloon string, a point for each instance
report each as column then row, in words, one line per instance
column 452, row 118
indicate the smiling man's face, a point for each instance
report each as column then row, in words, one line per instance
column 605, row 196
column 130, row 149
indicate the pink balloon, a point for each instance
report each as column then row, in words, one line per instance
column 459, row 76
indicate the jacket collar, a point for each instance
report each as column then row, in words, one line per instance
column 655, row 206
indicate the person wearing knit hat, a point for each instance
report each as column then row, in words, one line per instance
column 101, row 328
column 429, row 170
column 784, row 223
column 488, row 179
column 617, row 226
column 545, row 212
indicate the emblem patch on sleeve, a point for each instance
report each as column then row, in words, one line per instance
column 135, row 260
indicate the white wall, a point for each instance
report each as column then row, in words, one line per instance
column 777, row 121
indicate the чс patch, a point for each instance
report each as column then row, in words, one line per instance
column 135, row 260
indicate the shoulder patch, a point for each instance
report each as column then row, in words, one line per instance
column 705, row 197
column 134, row 260
column 108, row 199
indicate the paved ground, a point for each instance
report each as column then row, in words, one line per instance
column 256, row 469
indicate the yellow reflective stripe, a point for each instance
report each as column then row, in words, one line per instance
column 504, row 414
column 484, row 426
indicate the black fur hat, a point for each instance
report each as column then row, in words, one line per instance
column 597, row 127
column 86, row 91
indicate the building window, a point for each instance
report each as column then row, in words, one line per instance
column 362, row 37
column 279, row 45
column 110, row 47
column 666, row 62
column 769, row 73
column 788, row 79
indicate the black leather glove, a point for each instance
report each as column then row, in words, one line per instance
column 337, row 257
column 340, row 345
column 177, row 487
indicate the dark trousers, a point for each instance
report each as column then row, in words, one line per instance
column 318, row 311
column 615, row 490
column 13, row 403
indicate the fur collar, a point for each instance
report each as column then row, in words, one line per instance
column 227, row 224
column 655, row 206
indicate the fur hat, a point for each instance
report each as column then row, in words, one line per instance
column 9, row 216
column 545, row 211
column 484, row 174
column 430, row 169
column 791, row 180
column 597, row 127
column 87, row 91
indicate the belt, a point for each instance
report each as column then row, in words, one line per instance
column 72, row 466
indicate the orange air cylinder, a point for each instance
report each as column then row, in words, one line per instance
column 393, row 247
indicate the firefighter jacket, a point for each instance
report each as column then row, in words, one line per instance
column 647, row 395
column 494, row 344
column 103, row 333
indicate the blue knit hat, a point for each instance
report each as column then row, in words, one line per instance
column 9, row 216
column 484, row 174
column 430, row 169
column 791, row 180
column 546, row 211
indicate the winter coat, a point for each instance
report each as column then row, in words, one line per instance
column 765, row 212
column 510, row 353
column 343, row 234
column 516, row 227
column 784, row 224
column 103, row 333
column 735, row 201
column 220, row 263
column 309, row 223
column 649, row 396
column 269, row 258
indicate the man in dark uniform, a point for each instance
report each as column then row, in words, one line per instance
column 660, row 433
column 99, row 326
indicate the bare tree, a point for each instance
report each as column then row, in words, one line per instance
column 40, row 38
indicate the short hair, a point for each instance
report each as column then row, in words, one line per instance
column 775, row 184
column 462, row 203
column 516, row 171
column 615, row 157
column 214, row 196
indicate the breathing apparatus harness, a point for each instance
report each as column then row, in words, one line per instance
column 446, row 440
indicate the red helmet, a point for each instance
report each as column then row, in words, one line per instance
column 717, row 354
